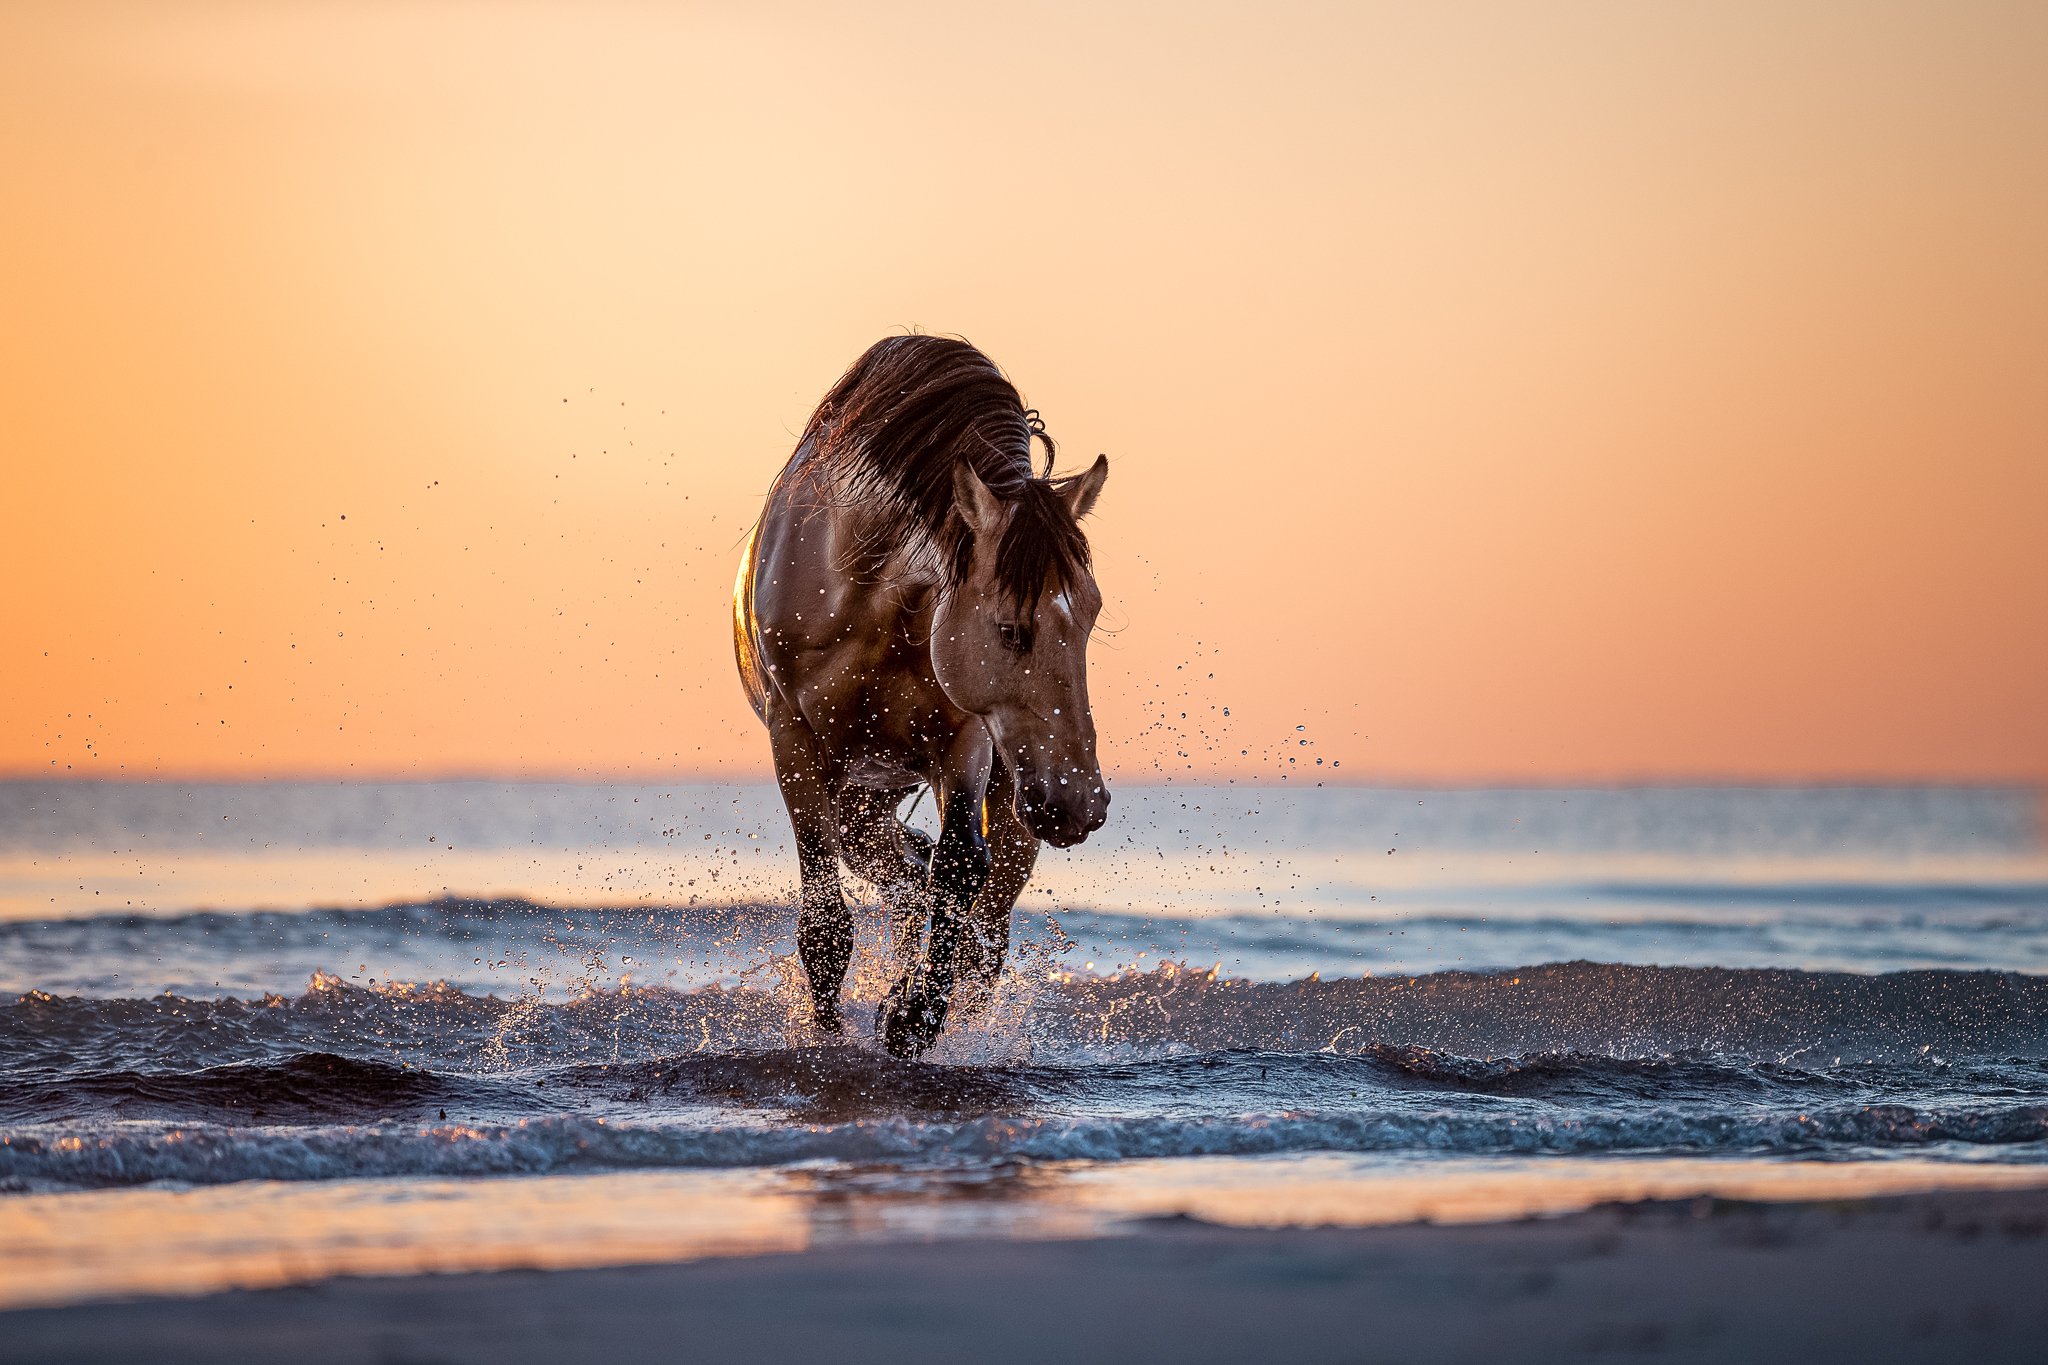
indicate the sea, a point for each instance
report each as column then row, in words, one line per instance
column 267, row 1033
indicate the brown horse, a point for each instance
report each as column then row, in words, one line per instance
column 914, row 606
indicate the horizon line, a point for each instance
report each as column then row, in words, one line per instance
column 1622, row 780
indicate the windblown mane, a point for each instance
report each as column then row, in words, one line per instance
column 886, row 440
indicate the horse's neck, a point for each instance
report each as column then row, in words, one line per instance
column 895, row 570
column 874, row 551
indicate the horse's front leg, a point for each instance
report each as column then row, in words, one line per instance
column 877, row 846
column 1013, row 852
column 824, row 926
column 915, row 1013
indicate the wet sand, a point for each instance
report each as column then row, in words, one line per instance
column 1932, row 1277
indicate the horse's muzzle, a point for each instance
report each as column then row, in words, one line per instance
column 1062, row 815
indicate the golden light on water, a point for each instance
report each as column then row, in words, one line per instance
column 115, row 1243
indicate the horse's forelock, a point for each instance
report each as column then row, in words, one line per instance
column 1042, row 545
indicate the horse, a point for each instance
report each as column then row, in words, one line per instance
column 914, row 607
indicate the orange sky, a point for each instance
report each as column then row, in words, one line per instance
column 1502, row 391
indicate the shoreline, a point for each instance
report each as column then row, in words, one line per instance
column 1908, row 1278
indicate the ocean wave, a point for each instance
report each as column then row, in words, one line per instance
column 404, row 1023
column 195, row 1154
column 307, row 1088
column 1609, row 1009
column 1576, row 1007
column 347, row 1081
column 840, row 1082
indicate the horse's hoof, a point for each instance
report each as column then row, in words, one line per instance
column 910, row 1024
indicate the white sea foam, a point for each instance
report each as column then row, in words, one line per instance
column 134, row 1154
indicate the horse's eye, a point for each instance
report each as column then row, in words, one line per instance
column 1016, row 637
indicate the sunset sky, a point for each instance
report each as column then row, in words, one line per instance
column 1503, row 392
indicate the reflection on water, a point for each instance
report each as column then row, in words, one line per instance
column 110, row 1244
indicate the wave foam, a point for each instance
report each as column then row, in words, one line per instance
column 211, row 1155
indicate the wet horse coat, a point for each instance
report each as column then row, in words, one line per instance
column 914, row 606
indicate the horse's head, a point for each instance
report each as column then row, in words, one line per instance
column 1015, row 653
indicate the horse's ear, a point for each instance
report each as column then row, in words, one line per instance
column 1082, row 492
column 982, row 510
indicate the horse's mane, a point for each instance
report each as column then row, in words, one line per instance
column 886, row 440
